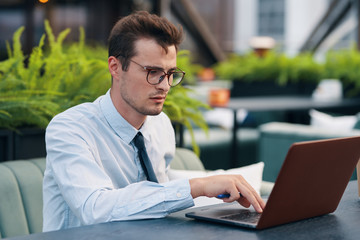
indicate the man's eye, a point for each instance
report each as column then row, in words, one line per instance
column 154, row 72
column 161, row 78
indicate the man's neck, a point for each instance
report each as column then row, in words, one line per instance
column 133, row 118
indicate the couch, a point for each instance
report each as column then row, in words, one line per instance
column 277, row 137
column 21, row 191
column 21, row 197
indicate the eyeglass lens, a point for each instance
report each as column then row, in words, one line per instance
column 156, row 76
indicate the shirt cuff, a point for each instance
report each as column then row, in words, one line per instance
column 178, row 191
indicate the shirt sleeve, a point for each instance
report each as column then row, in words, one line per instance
column 89, row 191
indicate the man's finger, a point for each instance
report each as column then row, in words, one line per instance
column 251, row 196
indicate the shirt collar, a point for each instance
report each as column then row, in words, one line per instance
column 146, row 128
column 122, row 128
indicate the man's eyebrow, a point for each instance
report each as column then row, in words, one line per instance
column 173, row 68
column 154, row 67
column 160, row 68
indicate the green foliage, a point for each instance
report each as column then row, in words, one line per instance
column 272, row 67
column 181, row 108
column 303, row 68
column 184, row 62
column 21, row 104
column 58, row 76
column 344, row 65
column 26, row 109
column 50, row 82
column 73, row 70
column 341, row 64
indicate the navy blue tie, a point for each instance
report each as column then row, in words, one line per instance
column 144, row 158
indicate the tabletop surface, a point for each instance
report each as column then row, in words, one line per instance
column 344, row 223
column 287, row 103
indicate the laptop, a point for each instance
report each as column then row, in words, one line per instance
column 310, row 183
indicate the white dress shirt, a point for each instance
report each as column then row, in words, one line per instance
column 93, row 173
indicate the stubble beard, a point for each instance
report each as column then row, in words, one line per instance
column 141, row 109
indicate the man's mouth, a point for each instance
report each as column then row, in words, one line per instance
column 158, row 98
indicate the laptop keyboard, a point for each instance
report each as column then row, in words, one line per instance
column 244, row 216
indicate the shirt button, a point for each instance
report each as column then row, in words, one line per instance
column 178, row 195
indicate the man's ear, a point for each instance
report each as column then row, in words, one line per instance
column 114, row 67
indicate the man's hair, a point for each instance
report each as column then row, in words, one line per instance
column 141, row 25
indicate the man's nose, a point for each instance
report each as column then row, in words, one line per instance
column 164, row 84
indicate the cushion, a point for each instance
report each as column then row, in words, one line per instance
column 323, row 120
column 252, row 174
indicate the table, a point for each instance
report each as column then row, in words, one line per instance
column 344, row 224
column 282, row 103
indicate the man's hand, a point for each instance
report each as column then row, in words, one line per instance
column 232, row 184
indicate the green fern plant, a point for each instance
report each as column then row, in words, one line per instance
column 181, row 108
column 20, row 104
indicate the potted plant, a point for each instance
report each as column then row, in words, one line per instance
column 272, row 74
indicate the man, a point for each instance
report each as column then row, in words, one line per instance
column 96, row 171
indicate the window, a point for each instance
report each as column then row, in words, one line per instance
column 271, row 14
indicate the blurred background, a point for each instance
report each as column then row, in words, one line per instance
column 213, row 27
column 260, row 76
column 233, row 49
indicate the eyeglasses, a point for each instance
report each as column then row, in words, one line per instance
column 157, row 75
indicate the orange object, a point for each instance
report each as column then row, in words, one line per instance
column 219, row 97
column 207, row 74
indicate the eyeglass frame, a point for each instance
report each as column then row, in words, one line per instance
column 162, row 77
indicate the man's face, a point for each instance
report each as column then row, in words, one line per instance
column 135, row 95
